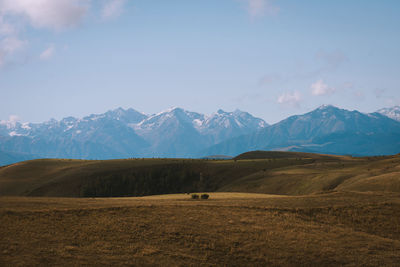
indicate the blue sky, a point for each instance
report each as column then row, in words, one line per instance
column 272, row 58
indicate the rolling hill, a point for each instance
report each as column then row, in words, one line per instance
column 257, row 172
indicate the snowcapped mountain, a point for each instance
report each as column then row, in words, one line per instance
column 327, row 129
column 182, row 133
column 222, row 125
column 176, row 132
column 96, row 136
column 123, row 133
column 171, row 133
column 393, row 112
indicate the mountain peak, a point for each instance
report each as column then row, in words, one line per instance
column 169, row 110
column 394, row 108
column 173, row 108
column 238, row 111
column 326, row 106
column 393, row 112
column 126, row 115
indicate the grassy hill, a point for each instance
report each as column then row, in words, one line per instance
column 260, row 154
column 288, row 173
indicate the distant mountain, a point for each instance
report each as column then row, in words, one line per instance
column 96, row 136
column 172, row 133
column 180, row 133
column 393, row 112
column 222, row 125
column 327, row 129
column 124, row 133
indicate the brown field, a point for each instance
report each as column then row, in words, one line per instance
column 229, row 229
column 293, row 209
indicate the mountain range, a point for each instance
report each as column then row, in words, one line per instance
column 327, row 129
column 125, row 133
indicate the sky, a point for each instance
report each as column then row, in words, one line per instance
column 271, row 58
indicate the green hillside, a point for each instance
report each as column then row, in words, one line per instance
column 289, row 173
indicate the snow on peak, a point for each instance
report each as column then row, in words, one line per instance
column 14, row 133
column 393, row 112
column 12, row 122
column 325, row 106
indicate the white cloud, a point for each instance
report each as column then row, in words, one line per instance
column 48, row 53
column 11, row 44
column 8, row 46
column 48, row 14
column 291, row 99
column 259, row 8
column 5, row 27
column 112, row 9
column 52, row 14
column 319, row 88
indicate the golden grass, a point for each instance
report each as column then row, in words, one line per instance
column 229, row 229
column 342, row 212
column 213, row 195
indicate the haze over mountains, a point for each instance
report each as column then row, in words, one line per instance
column 126, row 133
column 327, row 129
column 176, row 132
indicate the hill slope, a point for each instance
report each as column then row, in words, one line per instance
column 290, row 173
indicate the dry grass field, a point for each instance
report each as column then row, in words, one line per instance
column 265, row 209
column 229, row 229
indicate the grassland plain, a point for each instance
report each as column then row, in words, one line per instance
column 233, row 229
column 279, row 209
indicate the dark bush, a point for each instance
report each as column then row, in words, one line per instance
column 195, row 196
column 204, row 196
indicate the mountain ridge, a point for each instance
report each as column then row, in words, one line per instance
column 392, row 112
column 176, row 132
column 323, row 130
column 122, row 133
